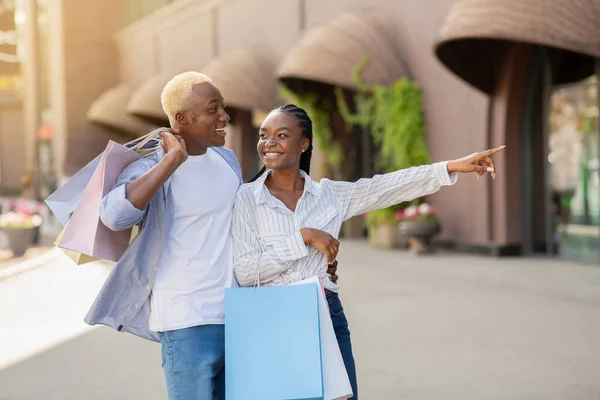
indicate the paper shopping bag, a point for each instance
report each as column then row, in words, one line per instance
column 336, row 384
column 272, row 343
column 85, row 233
column 64, row 200
column 80, row 258
column 77, row 257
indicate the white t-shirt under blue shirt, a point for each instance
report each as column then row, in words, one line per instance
column 197, row 263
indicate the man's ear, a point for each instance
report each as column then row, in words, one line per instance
column 181, row 118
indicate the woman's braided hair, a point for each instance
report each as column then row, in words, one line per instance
column 305, row 123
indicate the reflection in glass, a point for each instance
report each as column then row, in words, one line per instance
column 574, row 174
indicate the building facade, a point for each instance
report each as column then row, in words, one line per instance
column 109, row 59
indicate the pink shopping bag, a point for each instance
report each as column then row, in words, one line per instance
column 85, row 232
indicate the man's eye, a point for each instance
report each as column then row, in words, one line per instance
column 282, row 135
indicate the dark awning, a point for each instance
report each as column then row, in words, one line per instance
column 246, row 78
column 476, row 34
column 329, row 53
column 110, row 110
column 145, row 101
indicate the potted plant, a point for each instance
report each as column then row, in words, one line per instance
column 19, row 227
column 420, row 224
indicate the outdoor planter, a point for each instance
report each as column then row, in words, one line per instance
column 19, row 239
column 387, row 236
column 20, row 229
column 420, row 234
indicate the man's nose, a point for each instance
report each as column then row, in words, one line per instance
column 224, row 116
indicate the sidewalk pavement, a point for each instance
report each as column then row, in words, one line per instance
column 442, row 326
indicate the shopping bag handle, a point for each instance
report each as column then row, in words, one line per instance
column 138, row 144
column 143, row 137
column 257, row 281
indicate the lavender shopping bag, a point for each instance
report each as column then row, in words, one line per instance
column 63, row 201
column 85, row 232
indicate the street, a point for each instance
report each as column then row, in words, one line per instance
column 443, row 326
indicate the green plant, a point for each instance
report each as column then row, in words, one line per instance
column 394, row 116
column 319, row 111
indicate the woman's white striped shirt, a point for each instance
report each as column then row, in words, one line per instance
column 266, row 234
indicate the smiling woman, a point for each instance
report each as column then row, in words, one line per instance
column 285, row 226
column 275, row 147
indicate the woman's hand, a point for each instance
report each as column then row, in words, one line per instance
column 322, row 241
column 480, row 163
column 331, row 270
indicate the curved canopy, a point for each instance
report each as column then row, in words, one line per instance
column 476, row 34
column 246, row 78
column 110, row 110
column 145, row 101
column 329, row 53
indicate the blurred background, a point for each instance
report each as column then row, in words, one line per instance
column 389, row 84
column 523, row 73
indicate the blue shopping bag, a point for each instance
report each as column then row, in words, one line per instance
column 272, row 343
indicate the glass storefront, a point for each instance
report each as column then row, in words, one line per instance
column 573, row 151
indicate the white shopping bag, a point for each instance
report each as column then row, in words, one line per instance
column 336, row 383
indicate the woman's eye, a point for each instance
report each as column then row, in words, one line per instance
column 281, row 135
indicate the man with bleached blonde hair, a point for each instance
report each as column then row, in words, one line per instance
column 169, row 285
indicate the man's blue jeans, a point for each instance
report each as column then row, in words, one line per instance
column 193, row 360
column 340, row 326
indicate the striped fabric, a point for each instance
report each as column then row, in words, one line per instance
column 266, row 234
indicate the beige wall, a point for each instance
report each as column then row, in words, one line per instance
column 12, row 148
column 275, row 24
column 83, row 64
column 320, row 11
column 177, row 38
